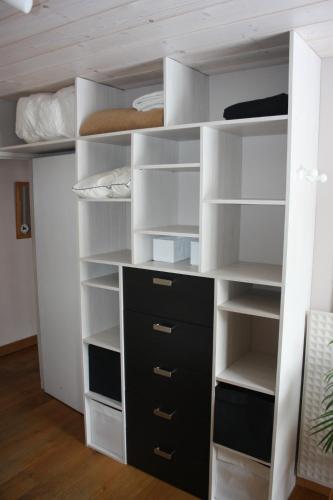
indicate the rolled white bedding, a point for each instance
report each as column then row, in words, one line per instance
column 46, row 116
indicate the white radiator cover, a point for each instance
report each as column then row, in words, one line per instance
column 313, row 463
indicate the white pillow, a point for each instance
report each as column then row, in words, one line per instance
column 112, row 184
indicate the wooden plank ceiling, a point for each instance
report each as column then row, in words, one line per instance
column 113, row 40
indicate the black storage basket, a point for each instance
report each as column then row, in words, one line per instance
column 104, row 372
column 243, row 420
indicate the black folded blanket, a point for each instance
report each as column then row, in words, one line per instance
column 270, row 106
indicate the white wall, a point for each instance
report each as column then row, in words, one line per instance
column 322, row 280
column 17, row 285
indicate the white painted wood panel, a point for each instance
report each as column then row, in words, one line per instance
column 186, row 94
column 58, row 277
column 304, row 86
column 51, row 46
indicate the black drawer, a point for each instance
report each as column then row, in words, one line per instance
column 177, row 425
column 177, row 466
column 243, row 420
column 175, row 296
column 169, row 342
column 148, row 376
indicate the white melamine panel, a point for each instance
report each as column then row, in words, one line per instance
column 111, row 258
column 58, row 277
column 186, row 94
column 92, row 96
column 239, row 86
column 304, row 87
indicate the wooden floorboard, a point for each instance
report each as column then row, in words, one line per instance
column 42, row 452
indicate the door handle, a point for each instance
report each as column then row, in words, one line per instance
column 163, row 414
column 163, row 372
column 157, row 327
column 162, row 281
column 168, row 455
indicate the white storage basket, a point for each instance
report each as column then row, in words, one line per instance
column 240, row 478
column 106, row 426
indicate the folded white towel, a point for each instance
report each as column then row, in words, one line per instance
column 149, row 101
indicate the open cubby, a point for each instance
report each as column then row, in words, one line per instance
column 247, row 351
column 100, row 276
column 244, row 168
column 92, row 97
column 168, row 149
column 101, row 317
column 248, row 234
column 252, row 300
column 105, row 229
column 165, row 203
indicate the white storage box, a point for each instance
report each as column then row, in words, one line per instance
column 167, row 249
column 194, row 253
column 239, row 477
column 106, row 430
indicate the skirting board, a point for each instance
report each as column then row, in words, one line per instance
column 18, row 345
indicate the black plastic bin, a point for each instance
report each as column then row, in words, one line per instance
column 243, row 420
column 104, row 372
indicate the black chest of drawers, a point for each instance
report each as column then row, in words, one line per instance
column 168, row 367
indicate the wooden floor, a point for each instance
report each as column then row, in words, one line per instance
column 42, row 452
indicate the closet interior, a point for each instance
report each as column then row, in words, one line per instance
column 232, row 187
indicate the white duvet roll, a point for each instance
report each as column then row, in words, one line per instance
column 42, row 117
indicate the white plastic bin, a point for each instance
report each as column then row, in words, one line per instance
column 168, row 249
column 240, row 478
column 106, row 426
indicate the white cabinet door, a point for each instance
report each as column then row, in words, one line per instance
column 56, row 230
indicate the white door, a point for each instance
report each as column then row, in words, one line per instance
column 56, row 231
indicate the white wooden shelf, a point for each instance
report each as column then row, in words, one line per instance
column 108, row 339
column 42, row 147
column 175, row 230
column 182, row 266
column 247, row 127
column 108, row 282
column 103, row 399
column 261, row 303
column 179, row 167
column 243, row 201
column 106, row 200
column 254, row 370
column 251, row 272
column 113, row 258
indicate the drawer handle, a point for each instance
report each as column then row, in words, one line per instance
column 162, row 282
column 168, row 455
column 157, row 327
column 163, row 414
column 164, row 373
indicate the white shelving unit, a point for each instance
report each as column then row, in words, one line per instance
column 233, row 187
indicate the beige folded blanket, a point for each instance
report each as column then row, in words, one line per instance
column 113, row 120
